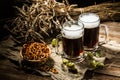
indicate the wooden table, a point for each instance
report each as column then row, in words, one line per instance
column 10, row 71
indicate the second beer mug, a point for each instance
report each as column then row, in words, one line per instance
column 72, row 34
column 91, row 23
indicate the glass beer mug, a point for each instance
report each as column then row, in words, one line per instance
column 92, row 25
column 72, row 40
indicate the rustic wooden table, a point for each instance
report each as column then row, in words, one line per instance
column 10, row 71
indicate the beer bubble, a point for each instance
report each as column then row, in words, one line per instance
column 72, row 32
column 90, row 20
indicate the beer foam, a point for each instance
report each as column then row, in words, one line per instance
column 90, row 20
column 72, row 32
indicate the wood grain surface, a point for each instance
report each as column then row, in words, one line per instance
column 9, row 70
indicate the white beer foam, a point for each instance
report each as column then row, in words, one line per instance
column 72, row 32
column 89, row 20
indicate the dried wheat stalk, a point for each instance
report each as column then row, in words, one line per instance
column 42, row 17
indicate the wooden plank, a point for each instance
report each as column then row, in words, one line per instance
column 9, row 71
column 112, row 67
column 112, row 71
column 98, row 76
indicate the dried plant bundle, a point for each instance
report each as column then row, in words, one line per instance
column 41, row 18
column 106, row 11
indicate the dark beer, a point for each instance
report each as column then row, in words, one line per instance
column 73, row 47
column 91, row 23
column 91, row 37
column 72, row 34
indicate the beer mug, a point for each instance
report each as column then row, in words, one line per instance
column 72, row 40
column 92, row 26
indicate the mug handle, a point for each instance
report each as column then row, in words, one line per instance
column 106, row 34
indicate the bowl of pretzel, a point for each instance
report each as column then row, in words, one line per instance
column 35, row 52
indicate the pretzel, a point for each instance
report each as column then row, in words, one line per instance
column 53, row 70
column 35, row 51
column 47, row 68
